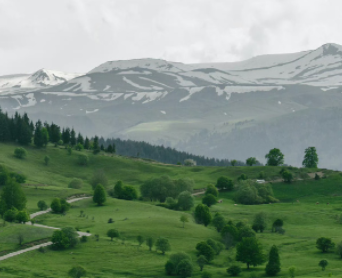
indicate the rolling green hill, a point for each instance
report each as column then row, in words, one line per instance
column 304, row 220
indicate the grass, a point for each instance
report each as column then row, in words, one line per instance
column 304, row 220
column 9, row 236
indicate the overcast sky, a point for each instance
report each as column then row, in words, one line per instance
column 77, row 35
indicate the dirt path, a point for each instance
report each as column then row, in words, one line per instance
column 33, row 215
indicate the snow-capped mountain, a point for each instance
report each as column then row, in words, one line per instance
column 27, row 82
column 207, row 109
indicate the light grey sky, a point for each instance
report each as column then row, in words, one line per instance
column 78, row 35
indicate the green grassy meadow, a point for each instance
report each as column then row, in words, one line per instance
column 304, row 220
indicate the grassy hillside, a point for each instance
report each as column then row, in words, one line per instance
column 304, row 220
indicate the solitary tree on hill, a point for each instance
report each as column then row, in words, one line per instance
column 310, row 158
column 163, row 245
column 251, row 161
column 324, row 244
column 99, row 195
column 323, row 264
column 274, row 157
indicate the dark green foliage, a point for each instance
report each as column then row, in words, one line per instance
column 20, row 153
column 22, row 217
column 323, row 264
column 80, row 139
column 12, row 196
column 99, row 195
column 76, row 184
column 245, row 231
column 19, row 178
column 99, row 177
column 84, row 239
column 163, row 245
column 140, row 239
column 10, row 215
column 171, row 266
column 219, row 221
column 82, row 159
column 42, row 205
column 229, row 231
column 287, row 176
column 274, row 157
column 251, row 161
column 73, row 138
column 66, row 136
column 87, row 144
column 277, row 225
column 242, row 177
column 185, row 201
column 206, row 250
column 184, row 268
column 259, row 222
column 262, row 175
column 163, row 187
column 202, row 214
column 118, row 189
column 310, row 158
column 324, row 244
column 250, row 251
column 207, row 274
column 112, row 233
column 56, row 205
column 234, row 270
column 249, row 193
column 209, row 200
column 273, row 265
column 223, row 183
column 60, row 240
column 211, row 190
column 150, row 242
column 201, row 261
column 72, row 236
column 46, row 160
column 59, row 205
column 79, row 147
column 317, row 177
column 217, row 246
column 77, row 272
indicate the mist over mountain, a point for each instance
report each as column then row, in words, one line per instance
column 224, row 110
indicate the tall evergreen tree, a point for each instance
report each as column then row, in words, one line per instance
column 99, row 195
column 45, row 135
column 273, row 265
column 55, row 133
column 25, row 134
column 80, row 139
column 72, row 137
column 66, row 136
column 38, row 135
column 87, row 144
column 96, row 143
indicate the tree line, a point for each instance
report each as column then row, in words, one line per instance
column 20, row 129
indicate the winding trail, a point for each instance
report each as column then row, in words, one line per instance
column 33, row 215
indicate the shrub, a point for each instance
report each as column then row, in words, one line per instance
column 171, row 266
column 242, row 177
column 202, row 214
column 84, row 239
column 20, row 153
column 234, row 270
column 206, row 275
column 206, row 250
column 324, row 244
column 82, row 159
column 20, row 178
column 190, row 162
column 211, row 190
column 76, row 184
column 10, row 215
column 46, row 160
column 185, row 201
column 77, row 272
column 22, row 217
column 224, row 183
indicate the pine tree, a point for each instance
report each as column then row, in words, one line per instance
column 80, row 139
column 66, row 136
column 273, row 265
column 25, row 135
column 73, row 137
column 87, row 143
column 55, row 133
column 96, row 143
column 38, row 135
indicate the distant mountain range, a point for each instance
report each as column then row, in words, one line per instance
column 225, row 110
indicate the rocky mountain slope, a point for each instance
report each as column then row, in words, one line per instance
column 204, row 108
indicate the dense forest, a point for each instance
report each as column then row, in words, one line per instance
column 20, row 129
